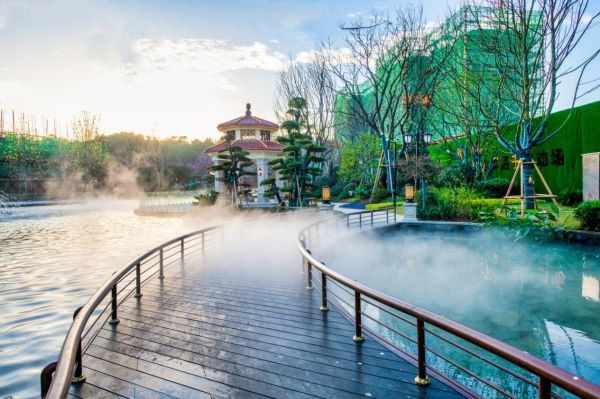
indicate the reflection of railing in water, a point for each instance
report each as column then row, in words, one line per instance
column 483, row 365
column 57, row 376
column 168, row 201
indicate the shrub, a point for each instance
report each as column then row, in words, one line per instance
column 455, row 204
column 336, row 189
column 340, row 196
column 588, row 213
column 323, row 181
column 349, row 187
column 379, row 195
column 207, row 199
column 493, row 188
column 362, row 191
column 454, row 176
column 570, row 197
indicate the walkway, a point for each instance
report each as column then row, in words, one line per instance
column 208, row 331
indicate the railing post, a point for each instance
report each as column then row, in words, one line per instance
column 360, row 221
column 113, row 304
column 357, row 318
column 387, row 216
column 372, row 218
column 182, row 249
column 309, row 285
column 202, row 243
column 161, row 273
column 46, row 378
column 348, row 223
column 421, row 378
column 78, row 376
column 324, row 307
column 138, row 281
column 544, row 388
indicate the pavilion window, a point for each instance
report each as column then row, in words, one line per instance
column 248, row 134
column 231, row 134
column 265, row 135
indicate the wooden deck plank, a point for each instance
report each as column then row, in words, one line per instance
column 204, row 333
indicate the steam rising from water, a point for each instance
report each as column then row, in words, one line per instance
column 530, row 295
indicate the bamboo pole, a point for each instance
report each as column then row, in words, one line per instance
column 552, row 196
column 510, row 186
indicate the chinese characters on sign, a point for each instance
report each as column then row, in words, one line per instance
column 557, row 157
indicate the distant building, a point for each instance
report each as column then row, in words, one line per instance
column 457, row 44
column 256, row 136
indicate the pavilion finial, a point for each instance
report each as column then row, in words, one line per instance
column 248, row 112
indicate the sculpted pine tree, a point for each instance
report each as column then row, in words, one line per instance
column 299, row 168
column 232, row 165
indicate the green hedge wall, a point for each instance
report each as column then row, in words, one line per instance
column 579, row 135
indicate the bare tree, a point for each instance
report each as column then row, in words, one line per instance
column 525, row 55
column 386, row 75
column 311, row 80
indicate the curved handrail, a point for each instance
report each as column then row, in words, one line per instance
column 548, row 373
column 67, row 358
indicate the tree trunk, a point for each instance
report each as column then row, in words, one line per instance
column 527, row 183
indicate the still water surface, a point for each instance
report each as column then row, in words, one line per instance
column 541, row 297
column 52, row 258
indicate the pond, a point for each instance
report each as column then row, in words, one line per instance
column 541, row 297
column 52, row 258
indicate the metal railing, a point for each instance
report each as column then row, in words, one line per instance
column 56, row 377
column 430, row 341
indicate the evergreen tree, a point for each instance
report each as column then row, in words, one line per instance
column 300, row 166
column 233, row 162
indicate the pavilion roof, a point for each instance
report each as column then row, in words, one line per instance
column 248, row 121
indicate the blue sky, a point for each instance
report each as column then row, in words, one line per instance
column 168, row 67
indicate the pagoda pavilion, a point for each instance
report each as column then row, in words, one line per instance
column 256, row 136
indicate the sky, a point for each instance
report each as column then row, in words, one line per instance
column 169, row 68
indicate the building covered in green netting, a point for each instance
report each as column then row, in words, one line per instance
column 448, row 111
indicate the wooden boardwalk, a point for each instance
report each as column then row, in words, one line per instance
column 206, row 332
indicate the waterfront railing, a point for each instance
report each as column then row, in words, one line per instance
column 475, row 363
column 57, row 377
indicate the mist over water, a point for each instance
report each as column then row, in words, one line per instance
column 53, row 258
column 543, row 298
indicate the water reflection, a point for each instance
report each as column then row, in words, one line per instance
column 590, row 287
column 542, row 298
column 52, row 258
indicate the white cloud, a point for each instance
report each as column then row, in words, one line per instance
column 207, row 60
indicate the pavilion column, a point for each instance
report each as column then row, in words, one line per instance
column 217, row 177
column 261, row 163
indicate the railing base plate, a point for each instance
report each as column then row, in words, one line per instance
column 78, row 380
column 358, row 339
column 422, row 381
column 113, row 321
column 323, row 308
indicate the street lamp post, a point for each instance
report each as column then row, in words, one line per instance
column 426, row 139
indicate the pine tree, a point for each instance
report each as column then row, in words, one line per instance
column 233, row 162
column 299, row 168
